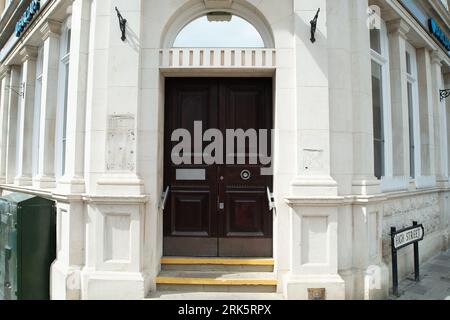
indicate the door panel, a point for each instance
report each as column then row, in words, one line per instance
column 190, row 220
column 245, row 104
column 215, row 210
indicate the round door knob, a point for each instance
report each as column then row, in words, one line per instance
column 222, row 178
column 246, row 175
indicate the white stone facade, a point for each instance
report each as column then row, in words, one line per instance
column 333, row 217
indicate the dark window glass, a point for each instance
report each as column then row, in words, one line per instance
column 378, row 125
column 411, row 131
column 408, row 63
column 375, row 40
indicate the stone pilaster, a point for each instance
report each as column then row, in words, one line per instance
column 364, row 181
column 425, row 85
column 398, row 30
column 46, row 170
column 73, row 180
column 313, row 261
column 13, row 108
column 439, row 118
column 114, row 192
column 25, row 130
column 66, row 271
column 4, row 106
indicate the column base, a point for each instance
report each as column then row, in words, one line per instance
column 366, row 186
column 120, row 184
column 98, row 285
column 371, row 283
column 442, row 181
column 310, row 186
column 296, row 286
column 23, row 181
column 44, row 182
column 73, row 185
column 65, row 282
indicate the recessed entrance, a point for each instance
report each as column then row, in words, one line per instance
column 220, row 209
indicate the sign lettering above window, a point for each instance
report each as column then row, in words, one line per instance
column 439, row 33
column 27, row 17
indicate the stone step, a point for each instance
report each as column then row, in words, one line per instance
column 214, row 281
column 217, row 264
column 223, row 296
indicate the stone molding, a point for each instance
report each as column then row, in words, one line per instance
column 399, row 27
column 28, row 53
column 437, row 57
column 218, row 4
column 50, row 28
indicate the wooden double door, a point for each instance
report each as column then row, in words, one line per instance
column 219, row 209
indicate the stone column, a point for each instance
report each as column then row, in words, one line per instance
column 313, row 124
column 66, row 271
column 4, row 107
column 13, row 104
column 73, row 180
column 114, row 196
column 446, row 107
column 439, row 117
column 364, row 181
column 397, row 30
column 426, row 92
column 46, row 170
column 313, row 201
column 25, row 132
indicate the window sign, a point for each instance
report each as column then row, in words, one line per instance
column 439, row 33
column 27, row 17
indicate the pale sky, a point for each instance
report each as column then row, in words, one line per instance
column 237, row 33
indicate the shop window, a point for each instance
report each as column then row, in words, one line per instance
column 413, row 109
column 37, row 110
column 380, row 97
column 378, row 125
column 219, row 30
column 63, row 89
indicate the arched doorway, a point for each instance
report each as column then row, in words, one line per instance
column 219, row 207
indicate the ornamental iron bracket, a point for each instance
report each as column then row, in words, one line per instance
column 122, row 24
column 19, row 90
column 444, row 94
column 314, row 26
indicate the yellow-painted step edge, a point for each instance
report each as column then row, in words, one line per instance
column 216, row 282
column 218, row 261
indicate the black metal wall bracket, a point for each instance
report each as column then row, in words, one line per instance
column 314, row 26
column 444, row 94
column 122, row 24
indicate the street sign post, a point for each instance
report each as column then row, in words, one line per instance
column 401, row 239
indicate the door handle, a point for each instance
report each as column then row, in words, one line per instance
column 271, row 199
column 163, row 200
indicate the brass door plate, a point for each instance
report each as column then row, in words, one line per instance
column 316, row 293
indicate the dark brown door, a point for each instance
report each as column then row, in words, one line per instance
column 220, row 209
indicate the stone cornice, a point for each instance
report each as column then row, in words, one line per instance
column 399, row 26
column 28, row 53
column 437, row 57
column 4, row 69
column 50, row 28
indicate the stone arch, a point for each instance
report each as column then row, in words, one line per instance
column 196, row 9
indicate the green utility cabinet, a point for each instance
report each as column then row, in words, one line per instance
column 27, row 247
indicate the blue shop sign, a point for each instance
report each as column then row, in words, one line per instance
column 27, row 17
column 439, row 33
